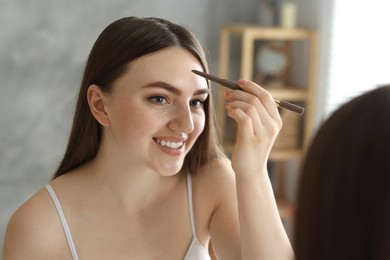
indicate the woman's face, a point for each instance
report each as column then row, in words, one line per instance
column 156, row 111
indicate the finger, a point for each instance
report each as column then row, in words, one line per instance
column 264, row 96
column 251, row 110
column 263, row 128
column 263, row 112
column 245, row 131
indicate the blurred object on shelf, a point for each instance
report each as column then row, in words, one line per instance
column 272, row 63
column 288, row 15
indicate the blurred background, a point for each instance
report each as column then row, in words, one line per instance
column 44, row 45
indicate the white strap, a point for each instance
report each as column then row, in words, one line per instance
column 65, row 225
column 190, row 204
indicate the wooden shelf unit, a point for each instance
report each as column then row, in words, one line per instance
column 249, row 34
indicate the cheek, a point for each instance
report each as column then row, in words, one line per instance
column 131, row 120
column 199, row 123
column 142, row 123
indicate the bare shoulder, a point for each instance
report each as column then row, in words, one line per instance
column 216, row 181
column 34, row 230
column 217, row 174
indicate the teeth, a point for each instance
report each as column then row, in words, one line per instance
column 170, row 144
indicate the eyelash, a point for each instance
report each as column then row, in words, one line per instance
column 154, row 100
column 196, row 103
column 199, row 101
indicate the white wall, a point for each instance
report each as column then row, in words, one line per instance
column 359, row 52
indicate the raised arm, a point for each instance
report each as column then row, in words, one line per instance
column 261, row 229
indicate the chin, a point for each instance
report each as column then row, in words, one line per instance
column 168, row 174
column 168, row 170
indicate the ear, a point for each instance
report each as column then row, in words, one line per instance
column 97, row 104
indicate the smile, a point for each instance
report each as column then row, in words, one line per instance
column 170, row 144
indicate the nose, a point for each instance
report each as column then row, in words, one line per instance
column 182, row 120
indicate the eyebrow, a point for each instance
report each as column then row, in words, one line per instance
column 172, row 89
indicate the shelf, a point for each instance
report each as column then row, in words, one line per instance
column 249, row 34
column 285, row 154
column 267, row 33
column 294, row 127
column 288, row 93
column 275, row 155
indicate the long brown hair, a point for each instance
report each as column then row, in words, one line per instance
column 120, row 43
column 343, row 209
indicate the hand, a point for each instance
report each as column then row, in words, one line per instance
column 259, row 123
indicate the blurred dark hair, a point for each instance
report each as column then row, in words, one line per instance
column 343, row 204
column 120, row 43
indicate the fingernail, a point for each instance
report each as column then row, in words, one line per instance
column 227, row 93
column 242, row 81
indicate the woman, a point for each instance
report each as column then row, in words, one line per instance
column 344, row 191
column 143, row 176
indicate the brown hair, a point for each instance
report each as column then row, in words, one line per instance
column 343, row 205
column 120, row 43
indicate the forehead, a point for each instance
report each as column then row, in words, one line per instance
column 172, row 65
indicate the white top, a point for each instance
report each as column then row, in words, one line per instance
column 195, row 250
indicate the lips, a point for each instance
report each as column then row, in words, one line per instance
column 171, row 145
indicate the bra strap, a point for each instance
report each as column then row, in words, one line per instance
column 65, row 225
column 190, row 204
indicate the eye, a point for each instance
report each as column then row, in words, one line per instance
column 159, row 100
column 197, row 103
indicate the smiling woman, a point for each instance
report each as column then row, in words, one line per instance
column 160, row 97
column 143, row 176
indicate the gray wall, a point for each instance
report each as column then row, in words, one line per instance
column 43, row 48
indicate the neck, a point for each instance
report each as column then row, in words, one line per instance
column 136, row 188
